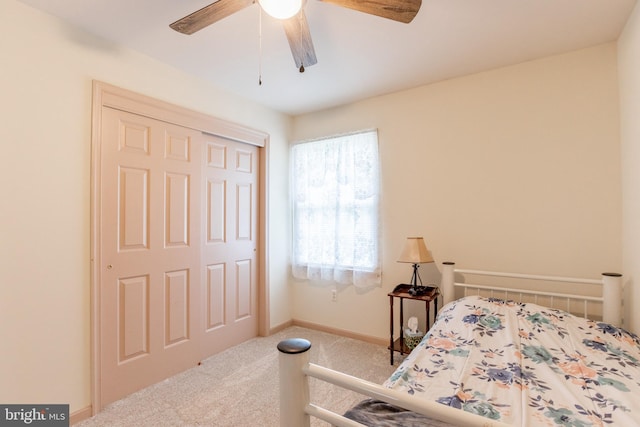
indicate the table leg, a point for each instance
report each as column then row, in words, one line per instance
column 435, row 308
column 401, row 323
column 427, row 303
column 391, row 329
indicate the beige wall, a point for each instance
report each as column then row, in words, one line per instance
column 45, row 86
column 629, row 72
column 513, row 169
column 516, row 169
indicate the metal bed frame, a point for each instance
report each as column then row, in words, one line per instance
column 296, row 408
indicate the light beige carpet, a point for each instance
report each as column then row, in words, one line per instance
column 239, row 387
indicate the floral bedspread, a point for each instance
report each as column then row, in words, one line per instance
column 526, row 365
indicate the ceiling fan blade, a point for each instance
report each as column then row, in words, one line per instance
column 299, row 37
column 208, row 15
column 397, row 10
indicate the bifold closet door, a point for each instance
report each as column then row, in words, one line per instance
column 229, row 249
column 178, row 225
column 151, row 247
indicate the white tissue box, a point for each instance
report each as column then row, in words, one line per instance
column 412, row 339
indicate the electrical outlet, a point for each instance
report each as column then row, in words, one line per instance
column 334, row 295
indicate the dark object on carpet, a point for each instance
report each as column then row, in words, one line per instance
column 375, row 413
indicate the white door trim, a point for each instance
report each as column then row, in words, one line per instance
column 105, row 95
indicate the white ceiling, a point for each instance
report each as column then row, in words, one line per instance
column 359, row 55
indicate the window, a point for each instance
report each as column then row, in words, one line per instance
column 335, row 194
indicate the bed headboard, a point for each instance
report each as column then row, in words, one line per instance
column 610, row 299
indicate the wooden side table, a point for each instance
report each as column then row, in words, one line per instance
column 402, row 292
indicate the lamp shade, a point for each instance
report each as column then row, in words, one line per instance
column 415, row 251
column 281, row 9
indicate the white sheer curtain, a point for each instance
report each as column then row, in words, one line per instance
column 335, row 192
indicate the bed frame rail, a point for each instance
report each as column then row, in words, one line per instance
column 296, row 408
column 611, row 283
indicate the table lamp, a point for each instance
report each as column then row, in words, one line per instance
column 415, row 252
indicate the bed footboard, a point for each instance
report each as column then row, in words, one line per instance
column 296, row 407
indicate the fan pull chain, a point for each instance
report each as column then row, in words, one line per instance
column 260, row 47
column 302, row 50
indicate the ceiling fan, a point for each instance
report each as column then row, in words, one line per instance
column 295, row 23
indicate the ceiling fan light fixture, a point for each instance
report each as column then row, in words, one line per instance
column 281, row 9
